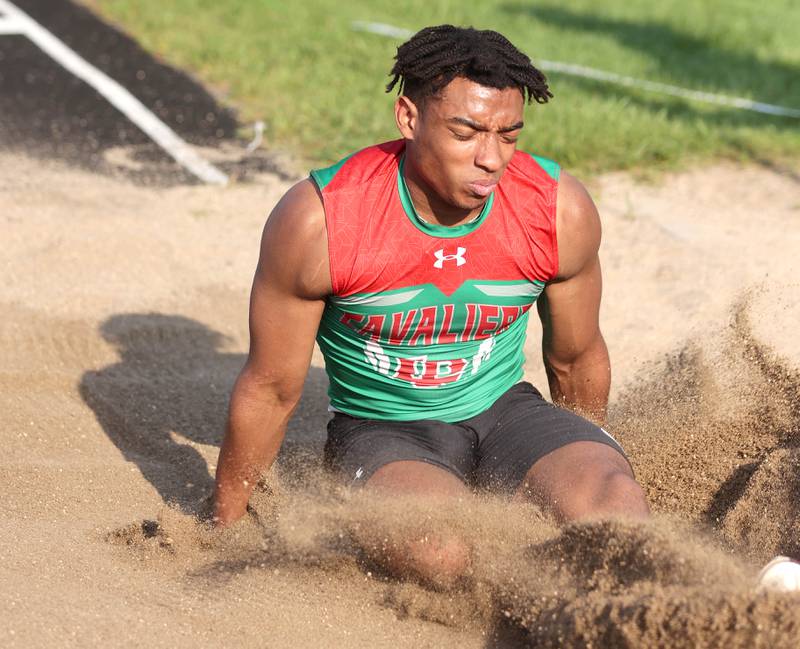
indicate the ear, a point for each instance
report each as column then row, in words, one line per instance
column 406, row 116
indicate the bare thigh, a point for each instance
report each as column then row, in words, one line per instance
column 584, row 479
column 436, row 558
column 409, row 477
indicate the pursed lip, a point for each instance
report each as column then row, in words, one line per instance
column 482, row 187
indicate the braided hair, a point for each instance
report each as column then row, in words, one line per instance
column 434, row 56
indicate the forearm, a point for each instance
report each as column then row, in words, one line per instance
column 256, row 425
column 582, row 383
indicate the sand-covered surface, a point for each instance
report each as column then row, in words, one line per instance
column 123, row 327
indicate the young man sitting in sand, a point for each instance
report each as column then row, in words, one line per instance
column 414, row 264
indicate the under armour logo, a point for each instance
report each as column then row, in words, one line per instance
column 458, row 257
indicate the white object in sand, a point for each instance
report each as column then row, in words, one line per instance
column 780, row 575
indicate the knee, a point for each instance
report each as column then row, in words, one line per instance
column 618, row 494
column 438, row 562
column 612, row 492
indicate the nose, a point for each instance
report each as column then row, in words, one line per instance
column 488, row 155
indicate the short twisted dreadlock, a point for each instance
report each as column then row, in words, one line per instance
column 434, row 56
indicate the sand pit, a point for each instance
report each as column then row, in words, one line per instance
column 772, row 314
column 124, row 325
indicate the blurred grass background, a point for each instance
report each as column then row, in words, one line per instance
column 319, row 85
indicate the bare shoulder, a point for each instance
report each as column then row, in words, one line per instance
column 578, row 227
column 298, row 217
column 294, row 245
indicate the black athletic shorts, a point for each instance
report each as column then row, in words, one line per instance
column 492, row 450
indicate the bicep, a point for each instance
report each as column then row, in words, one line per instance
column 283, row 327
column 570, row 306
column 570, row 311
column 287, row 298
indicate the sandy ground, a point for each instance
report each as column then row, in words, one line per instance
column 124, row 324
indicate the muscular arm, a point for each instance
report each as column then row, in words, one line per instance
column 574, row 352
column 286, row 303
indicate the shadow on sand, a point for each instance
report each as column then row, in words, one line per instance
column 165, row 403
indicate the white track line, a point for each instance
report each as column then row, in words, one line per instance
column 391, row 31
column 666, row 89
column 115, row 93
column 10, row 26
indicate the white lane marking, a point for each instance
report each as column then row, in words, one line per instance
column 382, row 29
column 10, row 26
column 667, row 89
column 116, row 95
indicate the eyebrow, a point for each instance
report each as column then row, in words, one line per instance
column 463, row 121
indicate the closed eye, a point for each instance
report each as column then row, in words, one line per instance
column 463, row 136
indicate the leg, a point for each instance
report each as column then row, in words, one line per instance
column 435, row 559
column 427, row 460
column 555, row 458
column 583, row 480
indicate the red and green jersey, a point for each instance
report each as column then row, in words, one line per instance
column 428, row 321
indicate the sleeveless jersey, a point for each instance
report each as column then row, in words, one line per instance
column 427, row 321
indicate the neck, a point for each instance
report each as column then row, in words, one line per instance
column 429, row 205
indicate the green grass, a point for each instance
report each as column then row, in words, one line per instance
column 318, row 85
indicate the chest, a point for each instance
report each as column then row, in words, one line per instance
column 393, row 254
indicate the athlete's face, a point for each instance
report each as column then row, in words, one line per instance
column 463, row 139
